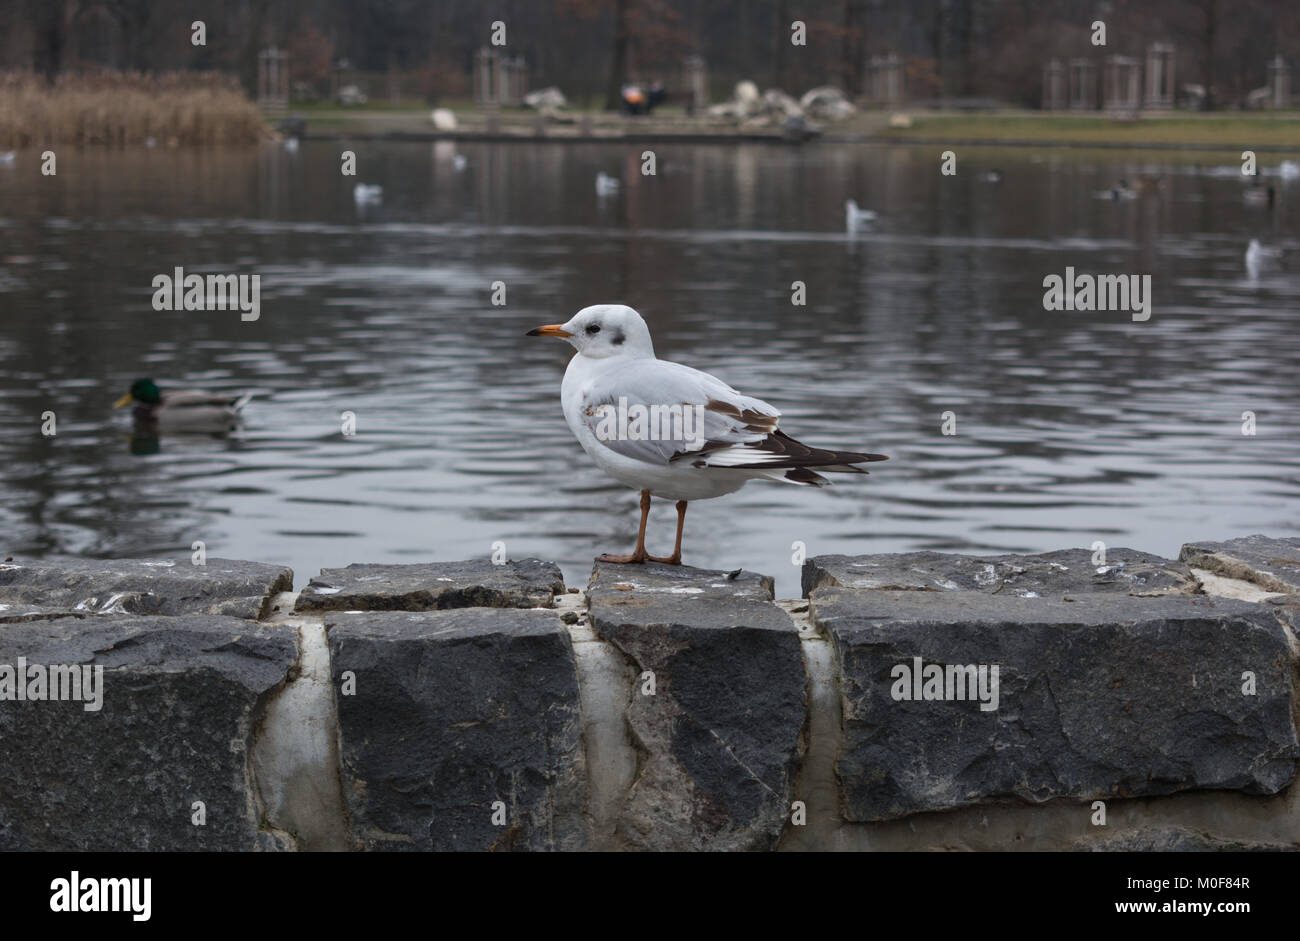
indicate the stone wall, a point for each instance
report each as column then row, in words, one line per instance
column 913, row 701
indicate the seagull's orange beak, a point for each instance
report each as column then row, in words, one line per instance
column 550, row 330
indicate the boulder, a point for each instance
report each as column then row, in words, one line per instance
column 460, row 730
column 718, row 755
column 779, row 103
column 1049, row 575
column 136, row 586
column 827, row 103
column 430, row 586
column 546, row 99
column 1271, row 563
column 351, row 95
column 179, row 703
column 1109, row 696
column 747, row 97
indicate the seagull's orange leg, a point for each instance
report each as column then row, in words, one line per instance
column 676, row 557
column 638, row 554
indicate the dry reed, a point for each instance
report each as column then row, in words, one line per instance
column 174, row 109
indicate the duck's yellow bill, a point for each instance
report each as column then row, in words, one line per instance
column 550, row 330
column 124, row 400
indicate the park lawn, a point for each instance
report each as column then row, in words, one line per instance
column 1220, row 131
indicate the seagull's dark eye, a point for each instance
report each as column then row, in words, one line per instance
column 593, row 328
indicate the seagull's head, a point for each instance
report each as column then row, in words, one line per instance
column 603, row 330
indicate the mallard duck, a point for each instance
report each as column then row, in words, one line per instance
column 183, row 409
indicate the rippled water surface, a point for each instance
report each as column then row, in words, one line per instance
column 1071, row 427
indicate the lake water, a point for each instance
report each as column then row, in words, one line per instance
column 1071, row 427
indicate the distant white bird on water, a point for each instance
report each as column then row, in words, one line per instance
column 606, row 185
column 733, row 438
column 367, row 193
column 1258, row 258
column 1257, row 195
column 291, row 144
column 855, row 219
column 1289, row 170
column 459, row 162
column 7, row 158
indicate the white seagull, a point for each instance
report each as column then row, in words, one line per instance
column 367, row 193
column 856, row 219
column 1258, row 258
column 723, row 440
column 606, row 185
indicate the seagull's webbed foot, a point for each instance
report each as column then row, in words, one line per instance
column 674, row 559
column 622, row 559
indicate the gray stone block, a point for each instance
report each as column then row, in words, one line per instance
column 1049, row 575
column 181, row 701
column 1173, row 840
column 1273, row 564
column 432, row 586
column 142, row 586
column 1111, row 696
column 452, row 712
column 720, row 737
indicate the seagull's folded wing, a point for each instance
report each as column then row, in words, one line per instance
column 683, row 412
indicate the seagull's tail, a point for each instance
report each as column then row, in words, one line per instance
column 797, row 463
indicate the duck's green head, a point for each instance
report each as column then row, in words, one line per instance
column 144, row 391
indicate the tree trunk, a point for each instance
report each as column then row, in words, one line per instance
column 782, row 33
column 50, row 38
column 618, row 65
column 1207, row 53
column 848, row 59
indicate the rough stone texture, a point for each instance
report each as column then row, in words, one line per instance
column 135, row 586
column 1049, row 575
column 453, row 711
column 17, row 612
column 182, row 697
column 528, row 583
column 1174, row 840
column 720, row 738
column 1273, row 564
column 1109, row 697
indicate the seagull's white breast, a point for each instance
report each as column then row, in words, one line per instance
column 677, row 481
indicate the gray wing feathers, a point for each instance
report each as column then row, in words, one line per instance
column 667, row 409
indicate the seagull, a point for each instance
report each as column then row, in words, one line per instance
column 993, row 176
column 856, row 219
column 723, row 441
column 1256, row 195
column 459, row 162
column 7, row 157
column 1120, row 190
column 365, row 193
column 1257, row 257
column 606, row 185
column 291, row 144
column 1288, row 170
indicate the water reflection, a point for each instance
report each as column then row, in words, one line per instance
column 1071, row 426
